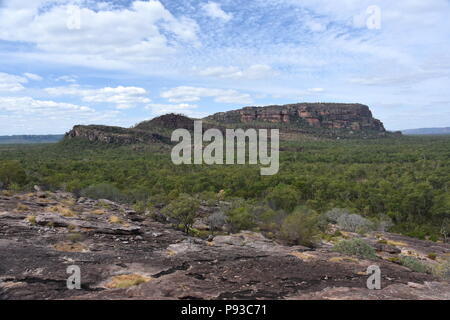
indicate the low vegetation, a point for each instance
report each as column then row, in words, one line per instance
column 355, row 247
column 414, row 264
column 397, row 184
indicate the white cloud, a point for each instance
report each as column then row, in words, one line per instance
column 32, row 76
column 30, row 106
column 191, row 94
column 214, row 10
column 316, row 90
column 183, row 108
column 254, row 72
column 406, row 78
column 67, row 78
column 11, row 83
column 122, row 97
column 27, row 115
column 144, row 31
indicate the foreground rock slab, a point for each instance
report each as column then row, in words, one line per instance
column 122, row 258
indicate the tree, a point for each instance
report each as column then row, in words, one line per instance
column 283, row 197
column 11, row 172
column 216, row 221
column 240, row 218
column 184, row 210
column 301, row 227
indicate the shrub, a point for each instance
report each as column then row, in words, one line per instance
column 333, row 215
column 300, row 227
column 354, row 223
column 283, row 197
column 183, row 210
column 240, row 218
column 216, row 221
column 432, row 256
column 442, row 270
column 413, row 264
column 355, row 247
column 103, row 191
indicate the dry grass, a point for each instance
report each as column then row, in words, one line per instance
column 31, row 219
column 70, row 247
column 115, row 220
column 171, row 253
column 99, row 212
column 344, row 259
column 396, row 243
column 302, row 256
column 65, row 212
column 22, row 207
column 7, row 193
column 127, row 281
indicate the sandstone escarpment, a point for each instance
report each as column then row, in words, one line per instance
column 115, row 135
column 356, row 117
column 333, row 120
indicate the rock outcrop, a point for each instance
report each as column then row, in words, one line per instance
column 115, row 135
column 316, row 119
column 356, row 117
column 123, row 257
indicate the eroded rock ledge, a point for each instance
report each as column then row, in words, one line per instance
column 356, row 117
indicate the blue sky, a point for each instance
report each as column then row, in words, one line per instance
column 120, row 62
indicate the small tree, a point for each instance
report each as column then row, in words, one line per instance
column 184, row 210
column 445, row 230
column 301, row 227
column 240, row 218
column 283, row 197
column 11, row 172
column 216, row 221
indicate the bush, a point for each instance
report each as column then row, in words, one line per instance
column 283, row 197
column 355, row 247
column 103, row 191
column 333, row 215
column 183, row 210
column 354, row 223
column 413, row 264
column 216, row 221
column 301, row 227
column 11, row 172
column 442, row 270
column 240, row 218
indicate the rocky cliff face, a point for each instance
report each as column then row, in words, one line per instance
column 356, row 117
column 115, row 135
column 307, row 118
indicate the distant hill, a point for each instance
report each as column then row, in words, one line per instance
column 324, row 120
column 31, row 139
column 427, row 131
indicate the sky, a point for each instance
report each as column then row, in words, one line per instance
column 120, row 62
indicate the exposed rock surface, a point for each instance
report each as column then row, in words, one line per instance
column 356, row 117
column 41, row 234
